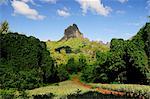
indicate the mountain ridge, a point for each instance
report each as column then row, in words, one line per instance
column 71, row 32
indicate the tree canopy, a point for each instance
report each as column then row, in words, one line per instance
column 4, row 27
column 25, row 62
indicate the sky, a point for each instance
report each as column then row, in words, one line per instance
column 97, row 19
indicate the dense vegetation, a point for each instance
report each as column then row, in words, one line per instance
column 95, row 95
column 127, row 61
column 133, row 90
column 74, row 55
column 26, row 62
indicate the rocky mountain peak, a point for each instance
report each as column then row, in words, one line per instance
column 72, row 32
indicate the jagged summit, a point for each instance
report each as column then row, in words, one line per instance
column 72, row 32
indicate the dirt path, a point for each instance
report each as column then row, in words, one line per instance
column 103, row 91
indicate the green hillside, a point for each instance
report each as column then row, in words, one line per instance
column 77, row 46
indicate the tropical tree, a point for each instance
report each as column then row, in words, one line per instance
column 62, row 73
column 82, row 62
column 4, row 27
column 72, row 66
column 136, row 64
column 148, row 17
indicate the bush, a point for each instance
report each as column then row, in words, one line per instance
column 7, row 94
column 88, row 73
column 23, row 95
column 71, row 66
column 62, row 73
column 44, row 96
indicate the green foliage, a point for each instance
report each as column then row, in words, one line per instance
column 126, row 62
column 83, row 55
column 25, row 62
column 21, row 80
column 62, row 73
column 147, row 41
column 7, row 94
column 4, row 27
column 137, row 64
column 21, row 51
column 72, row 66
column 97, row 71
column 110, row 64
column 116, row 65
column 117, row 45
column 142, row 39
column 47, row 65
column 74, row 47
column 87, row 73
column 100, row 69
column 82, row 62
column 45, row 96
column 94, row 95
column 134, row 61
column 23, row 95
column 101, row 57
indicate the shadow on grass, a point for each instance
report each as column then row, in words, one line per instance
column 96, row 95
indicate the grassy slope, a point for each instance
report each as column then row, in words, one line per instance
column 62, row 89
column 77, row 43
column 124, row 87
column 70, row 87
column 79, row 46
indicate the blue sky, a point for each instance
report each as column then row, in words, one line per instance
column 96, row 19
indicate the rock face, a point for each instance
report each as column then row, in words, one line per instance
column 72, row 32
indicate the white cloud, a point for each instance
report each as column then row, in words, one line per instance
column 63, row 12
column 20, row 7
column 94, row 5
column 49, row 1
column 122, row 1
column 120, row 12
